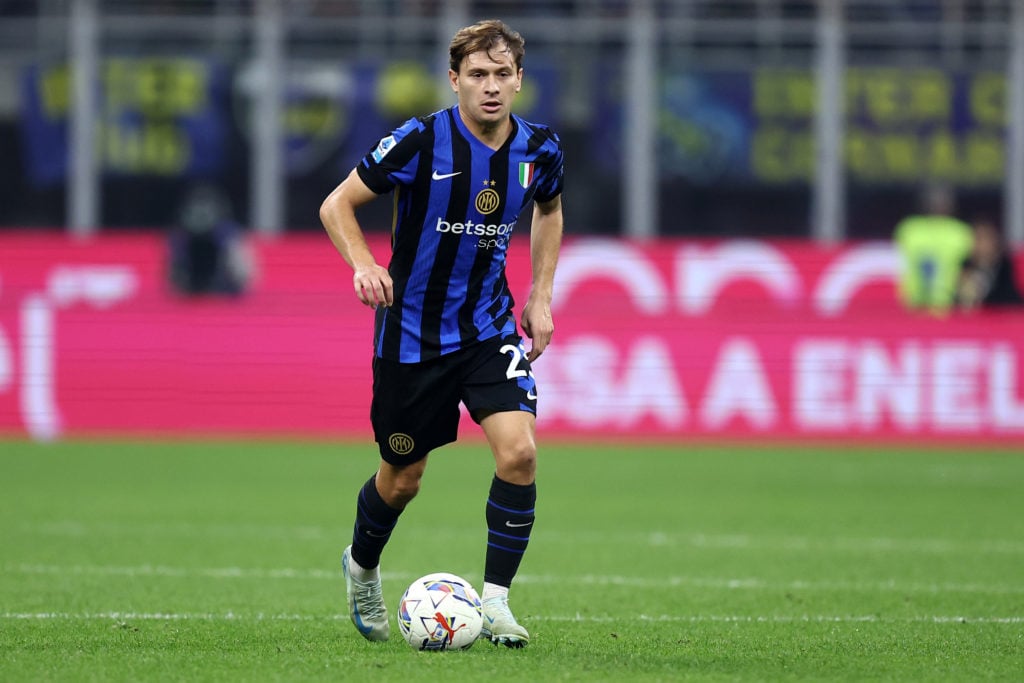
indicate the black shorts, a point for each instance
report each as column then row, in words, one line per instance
column 415, row 406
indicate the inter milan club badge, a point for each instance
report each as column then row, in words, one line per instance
column 487, row 201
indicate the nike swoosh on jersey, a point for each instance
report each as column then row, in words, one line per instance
column 442, row 176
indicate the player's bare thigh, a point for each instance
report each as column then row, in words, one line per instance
column 512, row 437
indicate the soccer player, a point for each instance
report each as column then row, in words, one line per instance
column 445, row 331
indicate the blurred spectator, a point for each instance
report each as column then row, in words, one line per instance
column 987, row 277
column 207, row 250
column 932, row 246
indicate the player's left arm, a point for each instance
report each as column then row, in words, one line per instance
column 545, row 241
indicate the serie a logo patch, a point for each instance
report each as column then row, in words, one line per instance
column 383, row 147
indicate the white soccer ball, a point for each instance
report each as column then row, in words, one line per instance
column 440, row 612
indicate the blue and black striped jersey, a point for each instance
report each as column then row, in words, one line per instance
column 456, row 204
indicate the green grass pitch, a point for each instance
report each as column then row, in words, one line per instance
column 219, row 561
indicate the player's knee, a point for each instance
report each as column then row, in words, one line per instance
column 400, row 492
column 525, row 456
column 404, row 492
column 400, row 485
column 518, row 460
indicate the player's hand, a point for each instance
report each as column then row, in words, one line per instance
column 538, row 326
column 373, row 285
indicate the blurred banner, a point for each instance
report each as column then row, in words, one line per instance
column 721, row 135
column 756, row 126
column 181, row 116
column 172, row 116
column 159, row 116
column 675, row 339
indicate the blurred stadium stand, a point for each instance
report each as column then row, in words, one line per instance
column 684, row 117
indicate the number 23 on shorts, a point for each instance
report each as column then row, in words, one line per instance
column 517, row 374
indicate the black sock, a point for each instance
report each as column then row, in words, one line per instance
column 509, row 521
column 375, row 520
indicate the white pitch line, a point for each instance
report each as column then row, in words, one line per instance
column 578, row 618
column 176, row 572
column 653, row 538
column 930, row 546
column 789, row 619
column 751, row 583
column 719, row 583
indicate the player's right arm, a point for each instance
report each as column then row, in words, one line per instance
column 371, row 281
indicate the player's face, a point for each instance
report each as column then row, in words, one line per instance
column 486, row 84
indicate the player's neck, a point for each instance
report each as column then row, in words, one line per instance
column 493, row 135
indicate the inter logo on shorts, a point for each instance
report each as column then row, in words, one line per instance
column 526, row 169
column 402, row 444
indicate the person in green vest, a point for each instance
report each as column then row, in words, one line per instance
column 932, row 247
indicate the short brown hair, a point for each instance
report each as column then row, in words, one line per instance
column 491, row 34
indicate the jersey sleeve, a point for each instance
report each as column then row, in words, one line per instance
column 550, row 185
column 392, row 161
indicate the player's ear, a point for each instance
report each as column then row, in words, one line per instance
column 519, row 80
column 453, row 80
